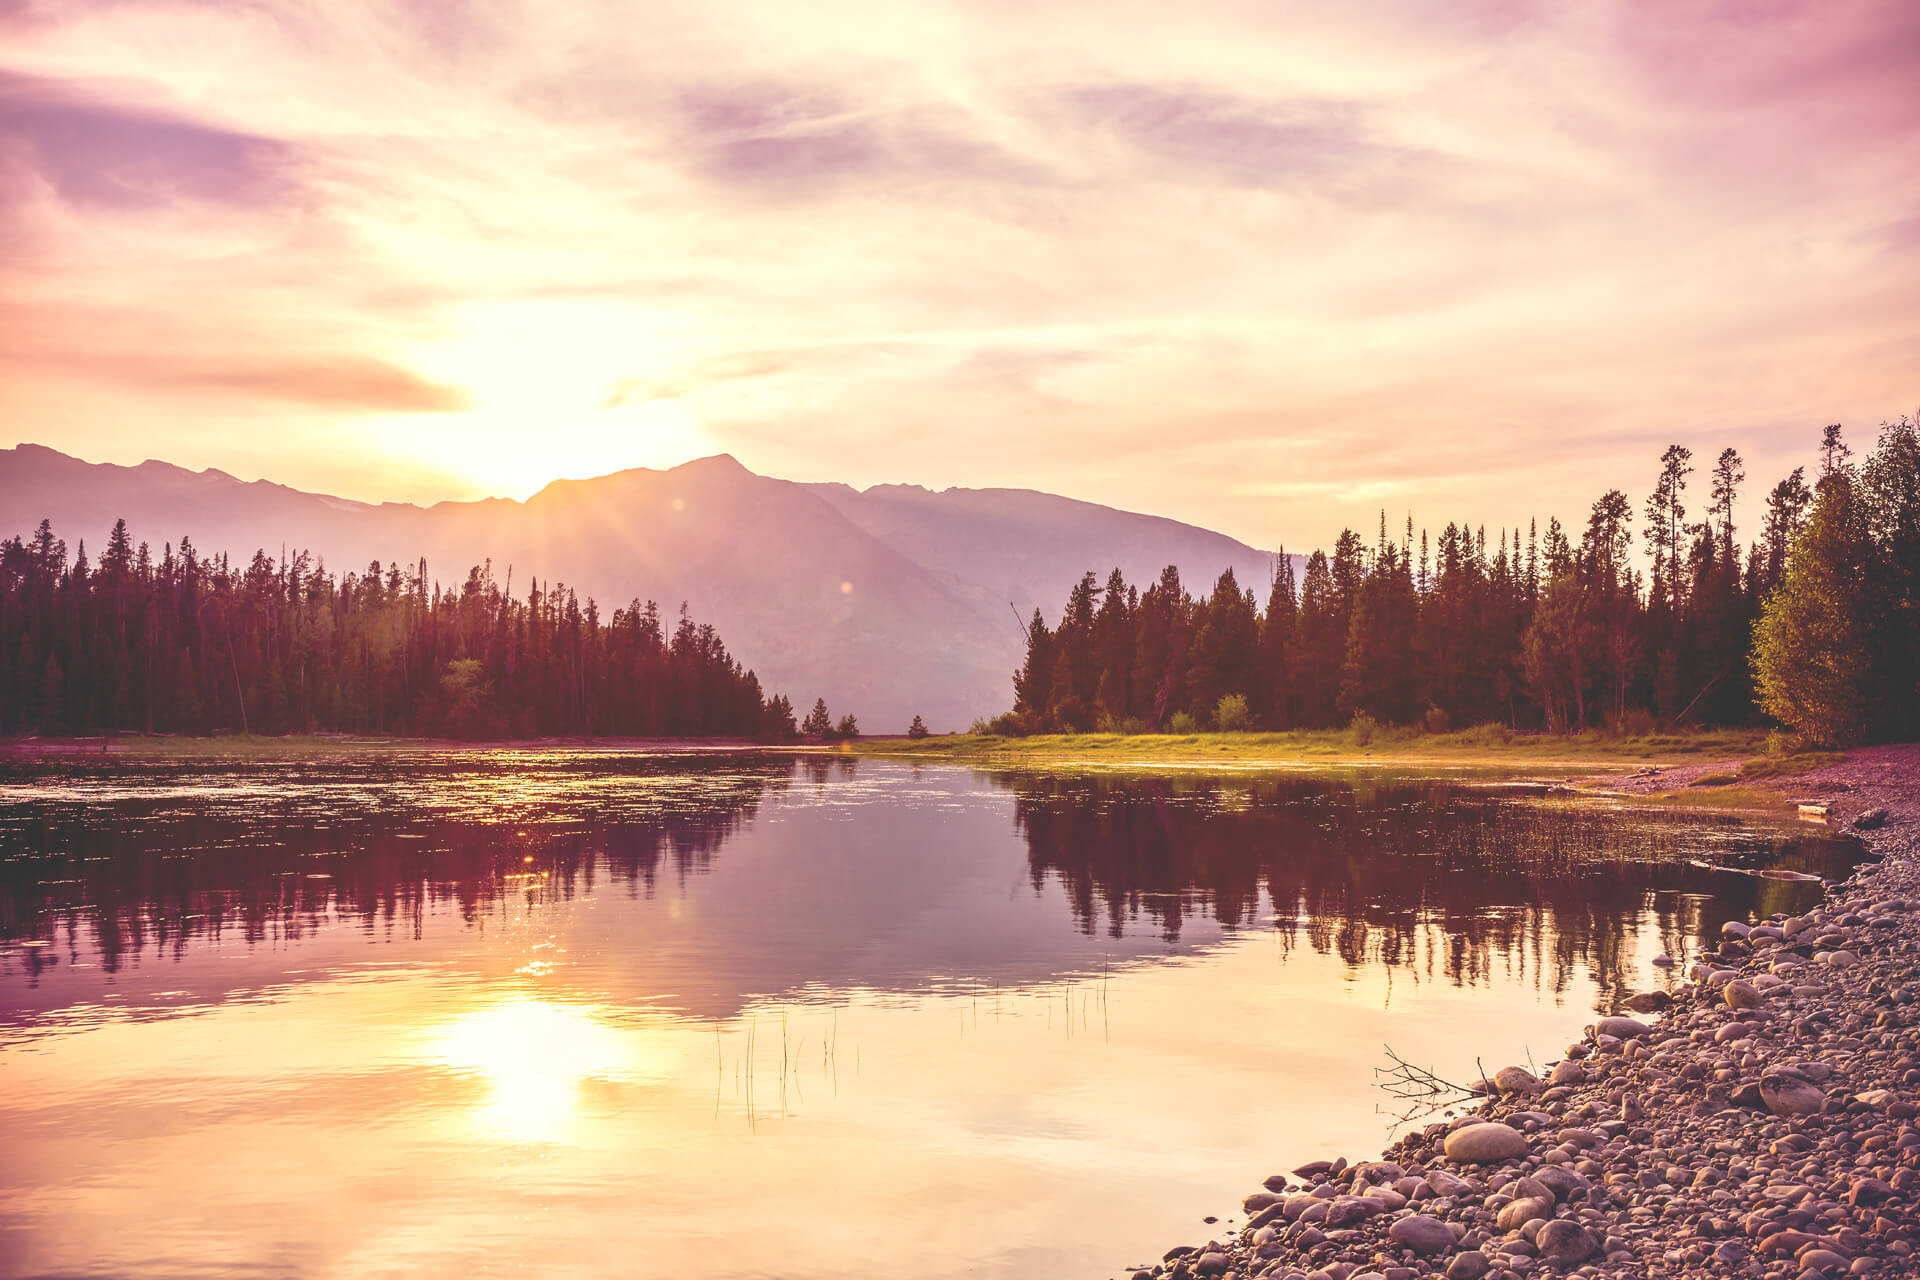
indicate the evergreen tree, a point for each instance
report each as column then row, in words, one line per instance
column 1819, row 624
column 818, row 723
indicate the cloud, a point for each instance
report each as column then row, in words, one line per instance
column 98, row 152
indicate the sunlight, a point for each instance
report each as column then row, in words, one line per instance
column 513, row 450
column 534, row 1054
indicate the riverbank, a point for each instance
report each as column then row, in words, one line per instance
column 1487, row 747
column 1762, row 1125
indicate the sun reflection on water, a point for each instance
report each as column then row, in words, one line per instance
column 535, row 1054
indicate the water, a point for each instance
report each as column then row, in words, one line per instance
column 569, row 1013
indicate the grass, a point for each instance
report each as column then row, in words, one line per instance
column 1726, row 798
column 1483, row 746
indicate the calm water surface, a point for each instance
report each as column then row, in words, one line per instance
column 568, row 1013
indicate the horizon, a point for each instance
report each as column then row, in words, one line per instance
column 1270, row 273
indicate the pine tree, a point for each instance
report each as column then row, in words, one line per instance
column 817, row 724
column 1808, row 655
column 918, row 729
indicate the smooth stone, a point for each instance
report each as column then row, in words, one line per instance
column 1567, row 1071
column 1741, row 994
column 1485, row 1143
column 1565, row 1242
column 1470, row 1265
column 1786, row 1094
column 1621, row 1028
column 1523, row 1211
column 1421, row 1234
column 1515, row 1080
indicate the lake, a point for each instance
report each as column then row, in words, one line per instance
column 569, row 1012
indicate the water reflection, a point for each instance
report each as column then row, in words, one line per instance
column 565, row 1012
column 1429, row 875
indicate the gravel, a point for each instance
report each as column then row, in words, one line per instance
column 1763, row 1125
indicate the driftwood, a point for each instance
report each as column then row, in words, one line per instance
column 1417, row 1091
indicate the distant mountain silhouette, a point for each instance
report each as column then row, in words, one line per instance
column 888, row 602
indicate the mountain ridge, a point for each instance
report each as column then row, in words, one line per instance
column 888, row 601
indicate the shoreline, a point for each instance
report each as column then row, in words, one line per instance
column 1762, row 1125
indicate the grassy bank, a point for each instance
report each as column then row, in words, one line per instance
column 1485, row 748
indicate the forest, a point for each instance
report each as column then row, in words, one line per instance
column 192, row 645
column 1813, row 625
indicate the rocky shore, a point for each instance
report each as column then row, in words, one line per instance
column 1759, row 1122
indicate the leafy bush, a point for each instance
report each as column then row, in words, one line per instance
column 1363, row 728
column 1782, row 743
column 1437, row 720
column 1635, row 722
column 1230, row 714
column 1183, row 724
column 1486, row 735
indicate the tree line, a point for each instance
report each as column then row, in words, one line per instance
column 1814, row 623
column 182, row 643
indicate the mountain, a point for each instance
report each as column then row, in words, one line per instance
column 888, row 601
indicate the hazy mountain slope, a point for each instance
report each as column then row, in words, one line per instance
column 1020, row 546
column 888, row 602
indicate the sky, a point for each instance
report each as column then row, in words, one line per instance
column 1267, row 267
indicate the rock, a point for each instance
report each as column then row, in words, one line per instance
column 1446, row 1184
column 1567, row 1071
column 1741, row 994
column 1468, row 1266
column 1524, row 1210
column 1871, row 820
column 1565, row 1242
column 1868, row 1191
column 1823, row 1260
column 1560, row 1180
column 1842, row 959
column 1621, row 1028
column 1515, row 1080
column 1735, row 929
column 1786, row 1094
column 1487, row 1143
column 1277, row 1182
column 1421, row 1233
column 1648, row 1002
column 1211, row 1264
column 1312, row 1167
column 1259, row 1200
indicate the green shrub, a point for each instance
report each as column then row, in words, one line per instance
column 1486, row 735
column 1636, row 722
column 1230, row 714
column 1437, row 720
column 1782, row 743
column 1363, row 728
column 1182, row 724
